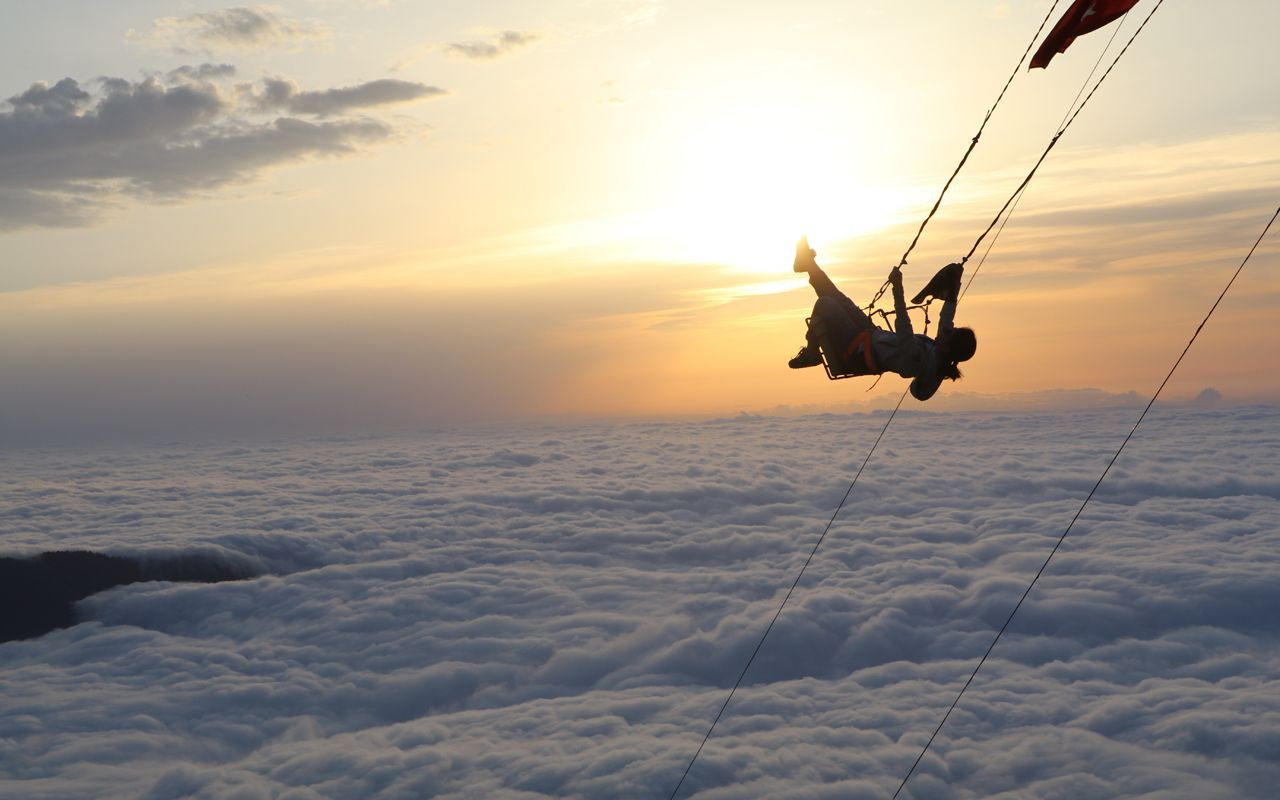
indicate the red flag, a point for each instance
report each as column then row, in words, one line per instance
column 1083, row 16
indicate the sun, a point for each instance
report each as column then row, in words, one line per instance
column 733, row 181
column 749, row 182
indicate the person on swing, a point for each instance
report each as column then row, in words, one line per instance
column 866, row 349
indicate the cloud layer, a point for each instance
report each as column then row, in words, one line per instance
column 559, row 611
column 69, row 151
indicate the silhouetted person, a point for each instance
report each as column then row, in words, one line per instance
column 857, row 346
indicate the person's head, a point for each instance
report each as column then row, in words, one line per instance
column 959, row 345
column 962, row 344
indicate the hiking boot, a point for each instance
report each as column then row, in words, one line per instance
column 809, row 356
column 805, row 256
column 944, row 285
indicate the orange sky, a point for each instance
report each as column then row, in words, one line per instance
column 363, row 217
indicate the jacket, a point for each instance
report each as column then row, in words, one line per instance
column 910, row 354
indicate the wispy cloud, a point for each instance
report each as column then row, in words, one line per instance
column 241, row 28
column 282, row 94
column 503, row 44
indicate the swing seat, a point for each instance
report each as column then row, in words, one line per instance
column 853, row 360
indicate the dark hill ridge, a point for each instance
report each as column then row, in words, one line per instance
column 38, row 593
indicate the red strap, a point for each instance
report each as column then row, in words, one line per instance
column 862, row 342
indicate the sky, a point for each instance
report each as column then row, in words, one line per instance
column 357, row 216
column 557, row 611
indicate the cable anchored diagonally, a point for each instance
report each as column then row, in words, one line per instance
column 888, row 422
column 1085, row 84
column 790, row 591
column 1080, row 511
column 1014, row 198
column 1063, row 129
column 974, row 142
column 1017, row 197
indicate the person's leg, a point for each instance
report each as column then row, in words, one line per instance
column 828, row 321
column 806, row 261
column 822, row 285
column 833, row 317
column 834, row 314
column 826, row 290
column 835, row 325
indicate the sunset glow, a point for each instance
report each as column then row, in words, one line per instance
column 595, row 206
column 408, row 399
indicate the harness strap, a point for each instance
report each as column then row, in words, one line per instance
column 861, row 344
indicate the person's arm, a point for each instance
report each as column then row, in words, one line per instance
column 915, row 360
column 944, row 285
column 902, row 320
column 947, row 320
column 923, row 388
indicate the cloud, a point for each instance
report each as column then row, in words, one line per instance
column 1160, row 211
column 558, row 611
column 280, row 94
column 240, row 28
column 69, row 152
column 1208, row 396
column 391, row 318
column 202, row 72
column 504, row 44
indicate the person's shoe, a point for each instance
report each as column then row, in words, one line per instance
column 807, row 357
column 944, row 285
column 805, row 256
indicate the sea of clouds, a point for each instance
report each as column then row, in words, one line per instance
column 560, row 612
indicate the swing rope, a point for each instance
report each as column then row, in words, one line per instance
column 783, row 605
column 1053, row 141
column 1061, row 130
column 1022, row 192
column 751, row 659
column 1079, row 511
column 974, row 142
